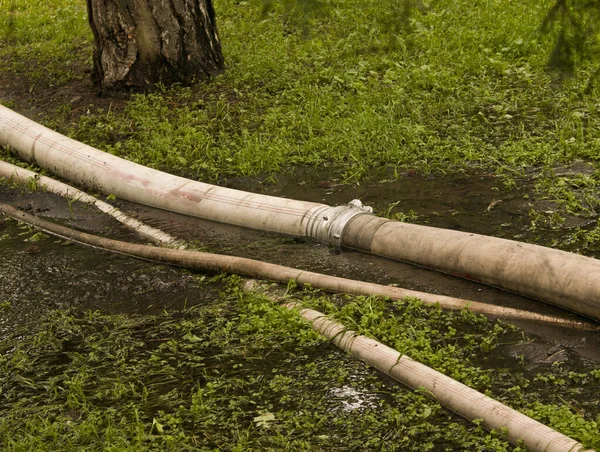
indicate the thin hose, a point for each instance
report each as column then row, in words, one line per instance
column 263, row 270
column 23, row 176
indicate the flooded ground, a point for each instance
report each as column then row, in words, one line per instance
column 48, row 274
column 41, row 273
column 83, row 344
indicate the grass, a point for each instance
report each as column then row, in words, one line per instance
column 48, row 42
column 244, row 374
column 362, row 93
column 361, row 88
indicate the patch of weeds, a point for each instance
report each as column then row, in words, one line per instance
column 586, row 240
column 7, row 156
column 565, row 201
column 392, row 213
column 547, row 219
column 438, row 339
column 36, row 237
column 576, row 194
column 41, row 40
column 567, row 420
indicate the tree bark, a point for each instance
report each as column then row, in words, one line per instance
column 139, row 43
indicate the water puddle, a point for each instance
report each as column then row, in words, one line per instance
column 351, row 399
column 60, row 275
column 40, row 273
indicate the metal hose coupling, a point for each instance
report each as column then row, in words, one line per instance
column 327, row 224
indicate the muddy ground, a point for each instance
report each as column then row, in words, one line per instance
column 49, row 273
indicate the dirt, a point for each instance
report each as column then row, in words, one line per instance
column 40, row 99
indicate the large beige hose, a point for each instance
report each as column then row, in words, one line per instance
column 564, row 279
column 89, row 167
column 264, row 270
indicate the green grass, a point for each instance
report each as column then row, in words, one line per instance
column 363, row 88
column 439, row 86
column 244, row 374
column 363, row 91
column 48, row 42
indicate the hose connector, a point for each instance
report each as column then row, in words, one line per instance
column 327, row 224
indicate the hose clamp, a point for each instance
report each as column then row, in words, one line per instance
column 329, row 223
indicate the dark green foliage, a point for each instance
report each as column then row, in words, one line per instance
column 576, row 26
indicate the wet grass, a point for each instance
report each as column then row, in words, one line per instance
column 366, row 90
column 46, row 42
column 241, row 373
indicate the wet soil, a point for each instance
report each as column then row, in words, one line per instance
column 39, row 274
column 478, row 203
column 59, row 275
column 43, row 100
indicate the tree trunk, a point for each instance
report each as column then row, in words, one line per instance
column 139, row 43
